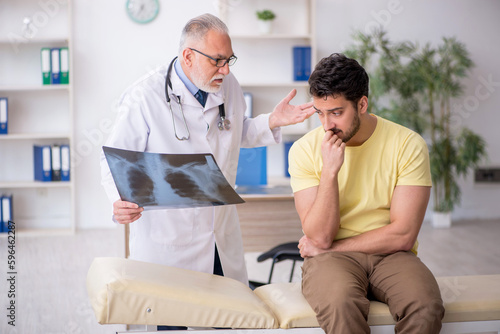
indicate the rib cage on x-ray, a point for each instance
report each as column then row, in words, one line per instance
column 167, row 180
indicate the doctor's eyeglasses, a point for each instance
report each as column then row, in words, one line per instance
column 219, row 62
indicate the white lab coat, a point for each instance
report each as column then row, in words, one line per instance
column 185, row 237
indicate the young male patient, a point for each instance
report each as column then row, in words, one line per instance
column 361, row 185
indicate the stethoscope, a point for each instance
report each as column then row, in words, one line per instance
column 223, row 124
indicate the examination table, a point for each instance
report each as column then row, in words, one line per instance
column 124, row 291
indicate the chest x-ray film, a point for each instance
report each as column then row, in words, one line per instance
column 160, row 181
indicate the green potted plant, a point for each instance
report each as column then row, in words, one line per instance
column 420, row 83
column 266, row 18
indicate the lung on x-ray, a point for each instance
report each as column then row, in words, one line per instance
column 158, row 181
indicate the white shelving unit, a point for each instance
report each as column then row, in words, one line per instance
column 265, row 61
column 38, row 114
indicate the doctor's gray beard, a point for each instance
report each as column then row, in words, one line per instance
column 198, row 79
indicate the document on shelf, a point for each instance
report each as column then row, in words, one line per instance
column 46, row 66
column 249, row 101
column 64, row 59
column 56, row 162
column 42, row 159
column 4, row 115
column 65, row 163
column 5, row 212
column 55, row 66
column 161, row 181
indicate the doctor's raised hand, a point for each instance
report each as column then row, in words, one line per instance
column 126, row 212
column 286, row 114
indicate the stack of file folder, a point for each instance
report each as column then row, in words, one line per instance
column 55, row 65
column 5, row 213
column 51, row 162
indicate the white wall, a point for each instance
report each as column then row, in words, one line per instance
column 476, row 24
column 110, row 52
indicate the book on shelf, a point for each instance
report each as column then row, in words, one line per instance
column 5, row 212
column 45, row 64
column 301, row 63
column 64, row 65
column 287, row 146
column 252, row 166
column 42, row 162
column 249, row 102
column 56, row 162
column 4, row 115
column 55, row 66
column 65, row 163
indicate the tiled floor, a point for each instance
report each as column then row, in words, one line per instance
column 51, row 296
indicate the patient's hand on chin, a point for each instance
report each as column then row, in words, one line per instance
column 307, row 249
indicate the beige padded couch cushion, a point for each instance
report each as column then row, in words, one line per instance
column 124, row 291
column 288, row 304
column 470, row 298
column 293, row 311
column 466, row 298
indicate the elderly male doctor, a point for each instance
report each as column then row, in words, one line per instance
column 206, row 239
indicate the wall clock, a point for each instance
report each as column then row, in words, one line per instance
column 142, row 11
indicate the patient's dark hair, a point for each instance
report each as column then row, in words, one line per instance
column 338, row 75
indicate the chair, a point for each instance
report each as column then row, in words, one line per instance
column 286, row 251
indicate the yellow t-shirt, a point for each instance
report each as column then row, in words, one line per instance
column 393, row 155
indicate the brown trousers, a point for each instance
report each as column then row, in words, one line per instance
column 340, row 285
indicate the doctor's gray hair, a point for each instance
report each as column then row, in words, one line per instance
column 197, row 28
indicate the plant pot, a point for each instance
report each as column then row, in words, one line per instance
column 441, row 219
column 265, row 26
